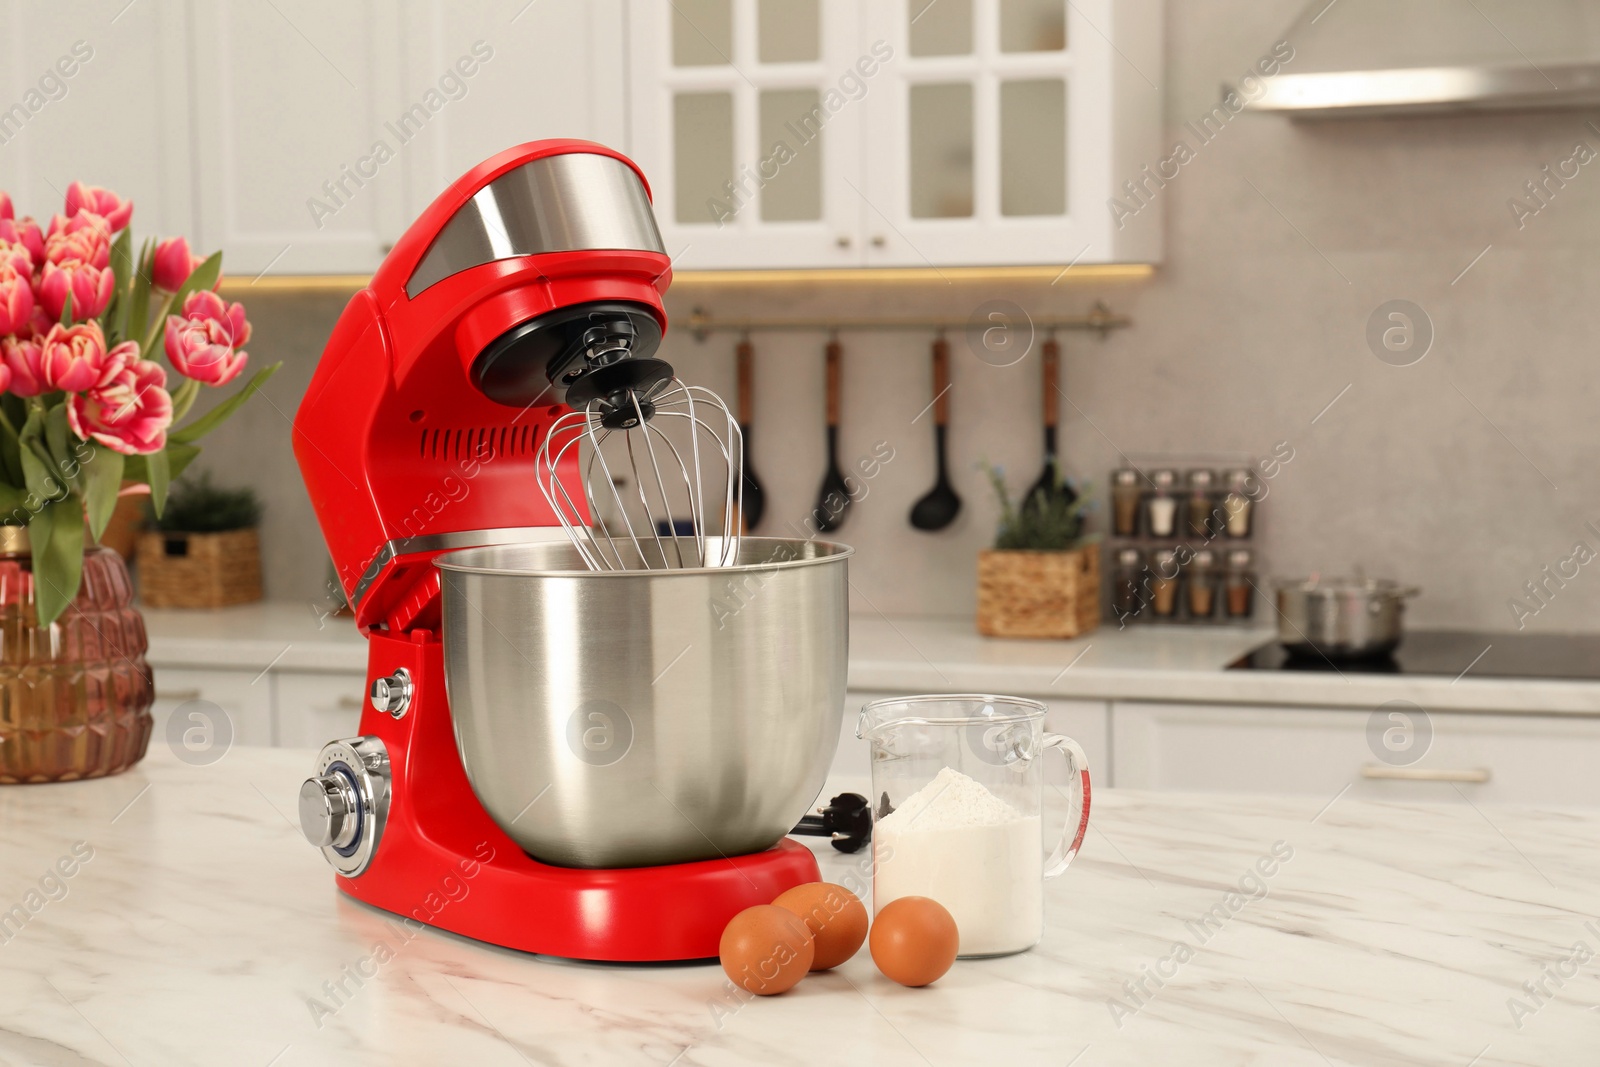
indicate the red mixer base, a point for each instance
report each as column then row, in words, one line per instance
column 641, row 914
column 440, row 859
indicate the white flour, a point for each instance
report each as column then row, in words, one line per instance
column 958, row 843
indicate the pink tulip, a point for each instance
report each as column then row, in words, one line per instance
column 202, row 343
column 129, row 409
column 26, row 233
column 21, row 357
column 209, row 305
column 15, row 257
column 6, row 212
column 39, row 324
column 90, row 287
column 5, row 377
column 172, row 264
column 16, row 299
column 83, row 238
column 102, row 202
column 74, row 357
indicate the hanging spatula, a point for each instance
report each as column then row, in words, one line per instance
column 1051, row 483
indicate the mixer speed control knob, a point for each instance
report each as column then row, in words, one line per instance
column 330, row 811
column 392, row 695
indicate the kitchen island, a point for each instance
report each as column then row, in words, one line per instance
column 197, row 926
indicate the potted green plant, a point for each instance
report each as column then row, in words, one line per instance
column 204, row 550
column 1042, row 577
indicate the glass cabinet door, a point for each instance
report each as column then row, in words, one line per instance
column 747, row 121
column 994, row 139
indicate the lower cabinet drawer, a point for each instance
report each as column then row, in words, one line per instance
column 190, row 706
column 1394, row 752
column 315, row 707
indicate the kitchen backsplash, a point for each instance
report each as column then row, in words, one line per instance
column 1469, row 472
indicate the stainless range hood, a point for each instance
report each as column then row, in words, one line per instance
column 1356, row 58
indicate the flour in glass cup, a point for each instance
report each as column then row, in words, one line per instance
column 958, row 843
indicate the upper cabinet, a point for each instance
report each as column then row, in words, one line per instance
column 297, row 132
column 322, row 131
column 302, row 138
column 98, row 92
column 537, row 70
column 826, row 133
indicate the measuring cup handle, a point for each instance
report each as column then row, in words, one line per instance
column 1078, row 823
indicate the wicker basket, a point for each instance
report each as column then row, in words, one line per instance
column 199, row 570
column 1039, row 594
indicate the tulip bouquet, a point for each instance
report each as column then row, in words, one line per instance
column 85, row 406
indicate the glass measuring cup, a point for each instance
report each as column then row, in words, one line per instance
column 958, row 795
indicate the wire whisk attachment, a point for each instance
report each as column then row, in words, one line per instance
column 635, row 478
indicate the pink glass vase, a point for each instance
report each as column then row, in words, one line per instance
column 75, row 696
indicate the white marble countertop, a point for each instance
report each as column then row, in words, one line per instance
column 202, row 926
column 909, row 655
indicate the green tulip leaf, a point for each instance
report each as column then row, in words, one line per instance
column 58, row 561
column 102, row 480
column 217, row 415
column 158, row 473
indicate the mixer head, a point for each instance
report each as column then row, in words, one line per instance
column 533, row 281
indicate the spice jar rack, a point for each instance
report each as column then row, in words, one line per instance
column 1182, row 544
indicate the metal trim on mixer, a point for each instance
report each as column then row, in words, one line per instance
column 562, row 203
column 405, row 546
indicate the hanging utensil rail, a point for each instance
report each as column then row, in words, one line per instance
column 1099, row 319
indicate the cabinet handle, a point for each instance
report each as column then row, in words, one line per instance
column 1476, row 775
column 878, row 240
column 180, row 695
column 351, row 704
column 843, row 241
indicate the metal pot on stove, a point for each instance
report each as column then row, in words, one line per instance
column 1345, row 618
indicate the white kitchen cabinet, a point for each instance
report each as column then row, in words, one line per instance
column 315, row 707
column 749, row 164
column 537, row 71
column 821, row 133
column 322, row 132
column 1515, row 759
column 196, row 697
column 98, row 92
column 299, row 117
column 1085, row 721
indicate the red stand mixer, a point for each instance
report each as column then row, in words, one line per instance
column 523, row 701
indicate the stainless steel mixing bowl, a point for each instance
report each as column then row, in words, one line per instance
column 632, row 718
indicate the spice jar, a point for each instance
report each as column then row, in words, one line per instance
column 1160, row 506
column 1125, row 497
column 1127, row 577
column 1239, row 584
column 1239, row 502
column 1201, row 513
column 1200, row 585
column 1164, row 584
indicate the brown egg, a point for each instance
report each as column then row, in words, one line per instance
column 766, row 949
column 836, row 917
column 914, row 940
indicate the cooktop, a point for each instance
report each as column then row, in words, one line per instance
column 1453, row 653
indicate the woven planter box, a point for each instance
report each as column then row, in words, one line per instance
column 199, row 570
column 1039, row 594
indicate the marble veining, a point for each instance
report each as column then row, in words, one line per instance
column 1192, row 930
